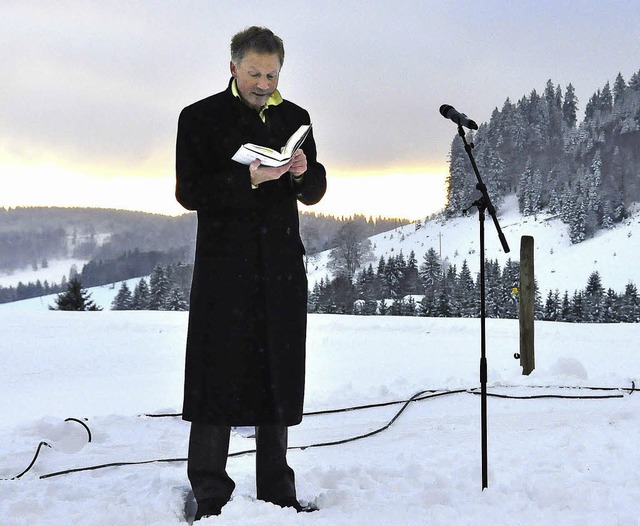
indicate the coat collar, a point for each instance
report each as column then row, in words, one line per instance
column 273, row 100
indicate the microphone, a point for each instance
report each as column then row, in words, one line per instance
column 449, row 112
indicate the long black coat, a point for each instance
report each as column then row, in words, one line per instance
column 245, row 361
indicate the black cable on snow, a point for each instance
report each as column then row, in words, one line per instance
column 43, row 444
column 33, row 461
column 419, row 396
column 86, row 427
column 630, row 390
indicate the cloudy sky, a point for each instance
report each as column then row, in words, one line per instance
column 91, row 90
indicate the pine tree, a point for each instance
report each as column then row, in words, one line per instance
column 393, row 277
column 446, row 299
column 593, row 295
column 607, row 220
column 141, row 296
column 555, row 201
column 510, row 283
column 619, row 89
column 467, row 293
column 460, row 182
column 570, row 107
column 578, row 220
column 411, row 276
column 159, row 289
column 577, row 308
column 176, row 301
column 634, row 82
column 493, row 289
column 630, row 304
column 494, row 168
column 76, row 298
column 593, row 182
column 124, row 298
column 313, row 300
column 431, row 269
column 594, row 285
column 606, row 98
column 525, row 190
column 552, row 306
column 610, row 307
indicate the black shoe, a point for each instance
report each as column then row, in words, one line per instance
column 292, row 502
column 208, row 508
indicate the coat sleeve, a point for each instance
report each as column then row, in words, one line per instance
column 313, row 184
column 205, row 179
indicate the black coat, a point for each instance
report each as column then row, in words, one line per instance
column 245, row 361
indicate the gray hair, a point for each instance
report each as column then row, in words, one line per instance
column 258, row 39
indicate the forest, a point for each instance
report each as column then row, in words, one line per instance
column 121, row 245
column 588, row 173
column 402, row 286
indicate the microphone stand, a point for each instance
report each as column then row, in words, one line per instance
column 483, row 203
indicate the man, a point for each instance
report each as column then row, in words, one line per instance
column 245, row 360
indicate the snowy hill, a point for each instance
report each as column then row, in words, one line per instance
column 552, row 461
column 558, row 264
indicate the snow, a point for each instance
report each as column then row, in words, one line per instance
column 53, row 273
column 558, row 264
column 551, row 461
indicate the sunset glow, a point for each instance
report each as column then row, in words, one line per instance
column 406, row 193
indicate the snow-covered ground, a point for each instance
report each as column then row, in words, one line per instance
column 558, row 264
column 552, row 461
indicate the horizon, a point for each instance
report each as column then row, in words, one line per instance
column 187, row 212
column 93, row 91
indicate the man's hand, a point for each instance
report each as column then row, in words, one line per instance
column 298, row 163
column 260, row 174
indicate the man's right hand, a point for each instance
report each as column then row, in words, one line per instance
column 260, row 174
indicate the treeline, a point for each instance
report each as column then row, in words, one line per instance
column 168, row 288
column 30, row 236
column 586, row 172
column 401, row 286
column 594, row 304
column 95, row 273
column 31, row 290
column 128, row 265
column 321, row 232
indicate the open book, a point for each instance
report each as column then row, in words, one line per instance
column 247, row 153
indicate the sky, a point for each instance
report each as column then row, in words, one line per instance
column 91, row 91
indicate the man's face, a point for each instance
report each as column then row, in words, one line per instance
column 257, row 77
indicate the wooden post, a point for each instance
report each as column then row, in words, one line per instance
column 527, row 302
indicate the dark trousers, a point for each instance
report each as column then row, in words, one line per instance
column 207, row 463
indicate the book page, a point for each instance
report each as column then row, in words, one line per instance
column 296, row 140
column 247, row 153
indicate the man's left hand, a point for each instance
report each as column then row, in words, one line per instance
column 298, row 164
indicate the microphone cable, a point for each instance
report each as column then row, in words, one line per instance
column 417, row 397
